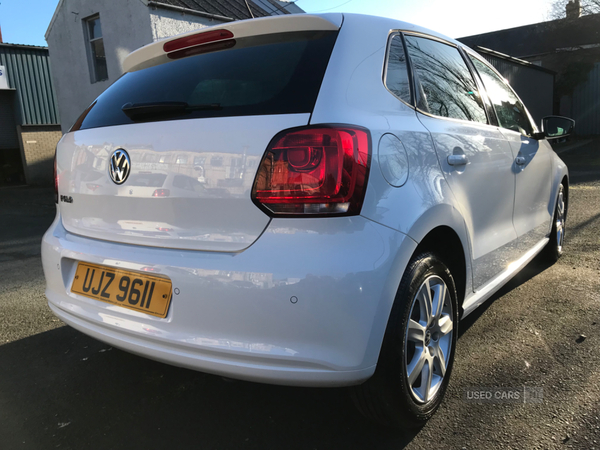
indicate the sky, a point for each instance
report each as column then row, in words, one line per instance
column 26, row 21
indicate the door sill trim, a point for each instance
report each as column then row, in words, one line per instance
column 490, row 288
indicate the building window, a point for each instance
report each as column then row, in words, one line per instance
column 95, row 49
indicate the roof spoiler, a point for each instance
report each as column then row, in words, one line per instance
column 218, row 36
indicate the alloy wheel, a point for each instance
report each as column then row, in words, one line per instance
column 428, row 340
column 560, row 219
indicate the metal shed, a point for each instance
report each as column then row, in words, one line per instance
column 28, row 72
column 29, row 121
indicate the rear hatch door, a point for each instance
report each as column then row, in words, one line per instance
column 194, row 129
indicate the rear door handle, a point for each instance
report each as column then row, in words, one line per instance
column 458, row 160
column 520, row 160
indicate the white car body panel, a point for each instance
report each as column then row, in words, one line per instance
column 533, row 211
column 296, row 301
column 234, row 313
column 226, row 221
column 481, row 188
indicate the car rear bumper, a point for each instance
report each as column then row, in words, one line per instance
column 307, row 304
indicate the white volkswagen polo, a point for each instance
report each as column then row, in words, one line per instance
column 310, row 200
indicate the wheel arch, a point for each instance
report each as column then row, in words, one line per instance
column 565, row 183
column 561, row 175
column 444, row 242
column 442, row 230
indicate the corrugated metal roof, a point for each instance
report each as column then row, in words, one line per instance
column 28, row 71
column 274, row 7
column 236, row 9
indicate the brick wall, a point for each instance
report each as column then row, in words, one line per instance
column 37, row 150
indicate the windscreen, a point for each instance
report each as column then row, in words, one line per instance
column 271, row 74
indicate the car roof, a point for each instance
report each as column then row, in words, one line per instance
column 399, row 25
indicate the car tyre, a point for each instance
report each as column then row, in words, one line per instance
column 554, row 248
column 403, row 392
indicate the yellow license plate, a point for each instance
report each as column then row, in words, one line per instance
column 145, row 293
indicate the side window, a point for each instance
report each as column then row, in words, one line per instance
column 445, row 84
column 510, row 111
column 396, row 76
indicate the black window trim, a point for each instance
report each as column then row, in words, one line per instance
column 411, row 84
column 489, row 107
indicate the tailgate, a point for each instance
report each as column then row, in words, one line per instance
column 189, row 183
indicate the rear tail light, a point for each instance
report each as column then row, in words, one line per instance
column 161, row 193
column 314, row 171
column 55, row 176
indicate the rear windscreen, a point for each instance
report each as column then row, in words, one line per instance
column 272, row 74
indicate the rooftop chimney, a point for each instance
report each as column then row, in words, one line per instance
column 573, row 9
column 1, row 41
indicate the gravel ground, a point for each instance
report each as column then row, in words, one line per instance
column 61, row 389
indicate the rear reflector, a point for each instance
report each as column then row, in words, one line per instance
column 55, row 176
column 197, row 39
column 314, row 171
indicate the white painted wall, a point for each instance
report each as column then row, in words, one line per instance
column 165, row 23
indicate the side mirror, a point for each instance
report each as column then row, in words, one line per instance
column 556, row 127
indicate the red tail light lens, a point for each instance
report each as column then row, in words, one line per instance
column 314, row 171
column 161, row 193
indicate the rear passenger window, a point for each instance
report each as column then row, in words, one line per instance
column 396, row 77
column 510, row 111
column 445, row 85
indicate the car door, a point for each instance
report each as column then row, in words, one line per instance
column 533, row 160
column 475, row 157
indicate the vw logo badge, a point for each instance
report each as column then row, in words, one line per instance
column 119, row 166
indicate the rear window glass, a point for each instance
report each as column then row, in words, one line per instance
column 273, row 74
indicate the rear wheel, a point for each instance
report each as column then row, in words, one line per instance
column 554, row 248
column 418, row 349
